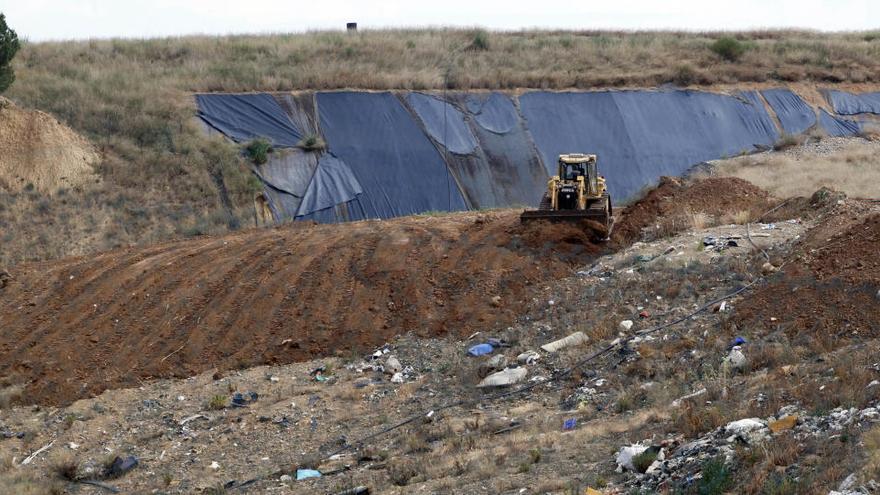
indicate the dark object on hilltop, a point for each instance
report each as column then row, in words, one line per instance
column 9, row 46
column 351, row 26
column 120, row 466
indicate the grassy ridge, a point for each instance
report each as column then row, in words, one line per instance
column 132, row 98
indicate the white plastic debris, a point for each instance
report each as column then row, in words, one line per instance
column 625, row 457
column 397, row 378
column 504, row 378
column 743, row 426
column 573, row 339
column 214, row 465
column 528, row 357
column 736, row 359
column 73, row 446
column 626, row 325
column 392, row 365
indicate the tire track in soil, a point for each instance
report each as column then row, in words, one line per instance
column 228, row 301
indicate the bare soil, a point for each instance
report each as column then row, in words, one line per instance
column 39, row 152
column 81, row 325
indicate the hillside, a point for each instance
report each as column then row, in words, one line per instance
column 161, row 177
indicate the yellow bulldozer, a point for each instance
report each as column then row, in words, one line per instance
column 578, row 192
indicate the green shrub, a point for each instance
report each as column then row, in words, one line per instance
column 716, row 478
column 480, row 42
column 9, row 46
column 728, row 48
column 312, row 142
column 258, row 150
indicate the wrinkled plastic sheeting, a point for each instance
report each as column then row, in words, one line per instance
column 244, row 117
column 754, row 98
column 794, row 114
column 845, row 103
column 838, row 127
column 642, row 135
column 332, row 184
column 494, row 113
column 444, row 123
column 505, row 169
column 288, row 170
column 397, row 166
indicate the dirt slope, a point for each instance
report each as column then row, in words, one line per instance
column 75, row 327
column 37, row 149
column 278, row 295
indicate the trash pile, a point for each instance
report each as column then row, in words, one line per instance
column 674, row 464
column 382, row 362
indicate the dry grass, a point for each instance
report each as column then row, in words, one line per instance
column 853, row 169
column 160, row 175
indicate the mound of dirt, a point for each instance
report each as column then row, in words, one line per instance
column 37, row 149
column 830, row 289
column 75, row 327
column 669, row 204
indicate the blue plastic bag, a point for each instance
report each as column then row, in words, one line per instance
column 480, row 349
column 302, row 474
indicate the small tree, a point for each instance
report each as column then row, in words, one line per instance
column 9, row 46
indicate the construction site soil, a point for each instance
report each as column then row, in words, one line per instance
column 78, row 326
column 828, row 290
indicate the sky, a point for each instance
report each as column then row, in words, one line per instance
column 40, row 20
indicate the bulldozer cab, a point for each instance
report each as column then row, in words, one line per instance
column 574, row 165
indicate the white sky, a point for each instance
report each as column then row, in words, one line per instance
column 39, row 20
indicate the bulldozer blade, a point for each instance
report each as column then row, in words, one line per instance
column 597, row 221
column 565, row 215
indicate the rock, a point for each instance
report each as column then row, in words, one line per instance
column 768, row 268
column 786, row 423
column 392, row 365
column 528, row 357
column 397, row 378
column 576, row 338
column 285, row 478
column 214, row 465
column 626, row 325
column 504, row 378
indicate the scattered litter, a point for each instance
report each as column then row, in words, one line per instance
column 192, row 418
column 37, row 452
column 285, row 478
column 214, row 465
column 768, row 226
column 737, row 342
column 785, row 423
column 397, row 378
column 625, row 457
column 626, row 325
column 569, row 424
column 359, row 490
column 120, row 466
column 573, row 339
column 481, row 349
column 504, row 378
column 392, row 365
column 498, row 362
column 528, row 357
column 644, row 314
column 243, row 400
column 73, row 446
column 736, row 359
column 302, row 474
